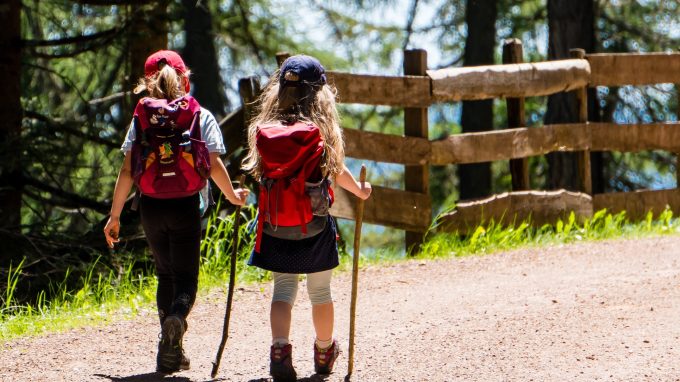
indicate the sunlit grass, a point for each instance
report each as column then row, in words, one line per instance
column 494, row 237
column 105, row 294
column 102, row 296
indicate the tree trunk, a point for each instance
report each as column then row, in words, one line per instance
column 11, row 183
column 480, row 16
column 149, row 35
column 201, row 57
column 571, row 25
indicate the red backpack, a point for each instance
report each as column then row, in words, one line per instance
column 294, row 196
column 169, row 159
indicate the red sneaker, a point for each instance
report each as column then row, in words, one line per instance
column 325, row 359
column 281, row 363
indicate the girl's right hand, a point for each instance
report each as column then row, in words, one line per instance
column 111, row 231
column 241, row 195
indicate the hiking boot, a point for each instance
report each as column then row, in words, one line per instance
column 171, row 356
column 324, row 359
column 281, row 363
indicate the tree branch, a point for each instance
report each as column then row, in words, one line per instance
column 109, row 98
column 75, row 39
column 647, row 36
column 113, row 2
column 70, row 127
column 68, row 199
column 409, row 24
column 66, row 80
column 249, row 35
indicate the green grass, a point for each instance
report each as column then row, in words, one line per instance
column 101, row 297
column 105, row 294
column 494, row 237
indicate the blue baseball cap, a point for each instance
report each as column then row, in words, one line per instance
column 308, row 69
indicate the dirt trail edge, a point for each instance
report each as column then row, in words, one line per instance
column 581, row 312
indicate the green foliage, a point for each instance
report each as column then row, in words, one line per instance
column 102, row 295
column 217, row 248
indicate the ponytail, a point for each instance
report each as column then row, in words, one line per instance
column 166, row 83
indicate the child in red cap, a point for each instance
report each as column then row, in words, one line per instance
column 172, row 147
column 295, row 141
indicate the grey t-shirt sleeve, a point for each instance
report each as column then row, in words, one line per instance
column 129, row 139
column 210, row 133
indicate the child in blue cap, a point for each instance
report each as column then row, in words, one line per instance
column 298, row 102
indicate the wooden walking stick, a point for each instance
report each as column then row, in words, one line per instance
column 232, row 281
column 355, row 273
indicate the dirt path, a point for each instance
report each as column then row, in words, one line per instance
column 596, row 311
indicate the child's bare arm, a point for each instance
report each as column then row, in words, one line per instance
column 347, row 181
column 219, row 174
column 120, row 194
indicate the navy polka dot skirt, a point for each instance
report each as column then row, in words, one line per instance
column 314, row 254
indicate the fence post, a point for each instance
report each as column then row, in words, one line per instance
column 677, row 154
column 586, row 181
column 248, row 89
column 415, row 125
column 281, row 57
column 519, row 168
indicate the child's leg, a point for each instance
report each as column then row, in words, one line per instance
column 173, row 230
column 184, row 230
column 319, row 289
column 158, row 241
column 285, row 292
column 185, row 244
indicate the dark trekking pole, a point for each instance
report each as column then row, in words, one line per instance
column 232, row 281
column 355, row 274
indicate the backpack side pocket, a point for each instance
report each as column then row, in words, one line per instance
column 319, row 196
column 201, row 158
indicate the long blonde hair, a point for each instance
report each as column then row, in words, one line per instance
column 322, row 113
column 165, row 83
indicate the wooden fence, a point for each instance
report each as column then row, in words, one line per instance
column 411, row 210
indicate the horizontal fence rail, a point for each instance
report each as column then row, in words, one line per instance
column 509, row 144
column 635, row 137
column 402, row 91
column 638, row 203
column 514, row 143
column 546, row 207
column 621, row 69
column 388, row 148
column 405, row 210
column 509, row 80
column 541, row 207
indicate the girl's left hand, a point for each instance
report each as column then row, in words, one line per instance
column 364, row 190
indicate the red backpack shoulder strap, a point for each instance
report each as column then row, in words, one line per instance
column 141, row 115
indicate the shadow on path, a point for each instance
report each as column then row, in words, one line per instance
column 151, row 377
column 311, row 378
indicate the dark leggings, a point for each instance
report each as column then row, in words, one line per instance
column 173, row 231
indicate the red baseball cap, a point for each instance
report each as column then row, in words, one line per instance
column 168, row 57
